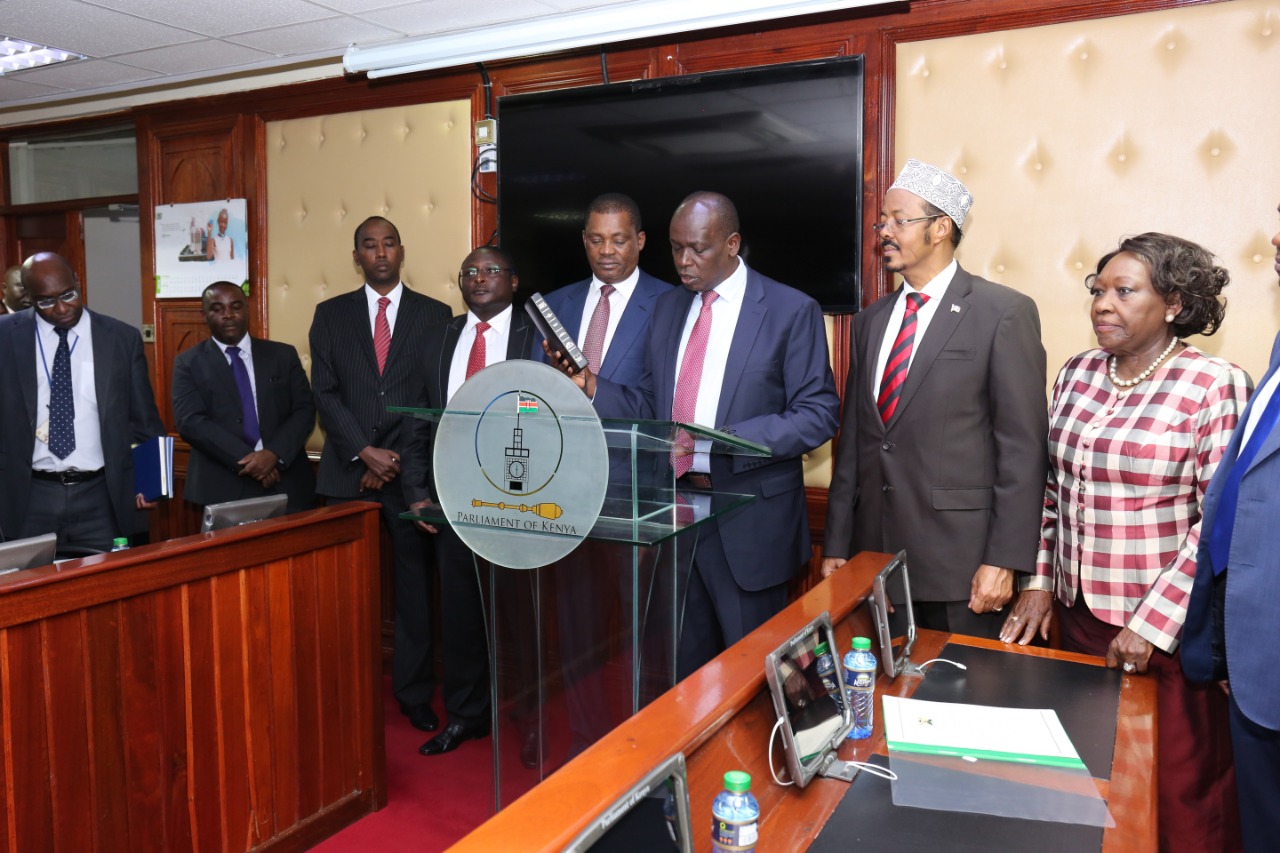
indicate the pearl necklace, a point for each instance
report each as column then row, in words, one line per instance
column 1129, row 383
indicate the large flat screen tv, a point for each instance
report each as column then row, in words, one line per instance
column 783, row 141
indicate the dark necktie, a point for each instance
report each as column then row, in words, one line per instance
column 476, row 358
column 382, row 334
column 250, row 411
column 593, row 344
column 895, row 369
column 62, row 405
column 1225, row 518
column 685, row 404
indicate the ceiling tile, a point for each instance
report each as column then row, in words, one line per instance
column 355, row 6
column 83, row 28
column 330, row 34
column 207, row 55
column 446, row 15
column 89, row 74
column 223, row 17
column 16, row 89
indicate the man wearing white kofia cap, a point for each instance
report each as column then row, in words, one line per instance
column 942, row 447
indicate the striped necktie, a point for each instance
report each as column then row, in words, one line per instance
column 895, row 369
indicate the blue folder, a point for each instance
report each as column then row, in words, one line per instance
column 153, row 468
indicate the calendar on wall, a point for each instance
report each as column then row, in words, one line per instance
column 200, row 243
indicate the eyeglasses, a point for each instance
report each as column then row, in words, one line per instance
column 471, row 272
column 900, row 223
column 70, row 297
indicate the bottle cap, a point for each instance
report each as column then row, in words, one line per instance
column 737, row 781
column 861, row 644
column 821, row 649
column 120, row 542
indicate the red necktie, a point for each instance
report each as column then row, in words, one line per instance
column 685, row 404
column 895, row 369
column 382, row 334
column 593, row 344
column 475, row 361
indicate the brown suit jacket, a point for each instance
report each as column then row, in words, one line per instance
column 957, row 475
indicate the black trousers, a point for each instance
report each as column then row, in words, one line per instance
column 80, row 514
column 465, row 685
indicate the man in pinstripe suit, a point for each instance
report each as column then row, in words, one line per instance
column 367, row 351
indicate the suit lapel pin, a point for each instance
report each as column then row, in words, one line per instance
column 955, row 309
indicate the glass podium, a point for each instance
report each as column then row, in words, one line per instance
column 579, row 645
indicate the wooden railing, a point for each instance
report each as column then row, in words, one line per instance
column 215, row 692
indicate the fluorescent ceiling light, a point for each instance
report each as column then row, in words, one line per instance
column 20, row 55
column 553, row 33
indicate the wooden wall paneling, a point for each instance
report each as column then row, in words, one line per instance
column 259, row 705
column 328, row 659
column 284, row 681
column 307, row 662
column 233, row 753
column 64, row 685
column 106, row 727
column 143, row 725
column 173, row 707
column 30, row 803
column 204, row 771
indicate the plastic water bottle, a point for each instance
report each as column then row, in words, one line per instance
column 120, row 543
column 826, row 669
column 860, row 687
column 735, row 816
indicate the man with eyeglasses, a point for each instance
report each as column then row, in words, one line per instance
column 81, row 400
column 490, row 332
column 942, row 448
column 366, row 355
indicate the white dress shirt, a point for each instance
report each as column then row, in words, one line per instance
column 936, row 289
column 246, row 355
column 373, row 296
column 495, row 347
column 724, row 320
column 88, row 453
column 1260, row 400
column 617, row 304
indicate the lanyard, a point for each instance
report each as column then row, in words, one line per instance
column 40, row 341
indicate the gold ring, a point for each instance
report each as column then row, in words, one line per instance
column 1013, row 618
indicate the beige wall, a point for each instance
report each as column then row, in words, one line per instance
column 325, row 175
column 1072, row 135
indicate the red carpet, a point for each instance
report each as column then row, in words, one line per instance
column 432, row 802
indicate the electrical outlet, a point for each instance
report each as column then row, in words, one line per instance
column 488, row 158
column 148, row 333
column 487, row 132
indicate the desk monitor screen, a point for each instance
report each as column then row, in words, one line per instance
column 235, row 513
column 19, row 554
column 653, row 816
column 808, row 697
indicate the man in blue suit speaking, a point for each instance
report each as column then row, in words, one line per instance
column 744, row 354
column 1232, row 628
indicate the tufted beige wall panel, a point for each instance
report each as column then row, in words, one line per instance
column 326, row 174
column 1072, row 135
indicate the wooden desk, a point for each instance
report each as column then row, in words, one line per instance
column 720, row 719
column 216, row 692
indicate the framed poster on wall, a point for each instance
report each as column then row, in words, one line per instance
column 198, row 244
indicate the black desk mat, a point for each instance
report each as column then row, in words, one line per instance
column 1086, row 699
column 867, row 821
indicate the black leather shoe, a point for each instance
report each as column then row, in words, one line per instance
column 452, row 737
column 529, row 751
column 421, row 717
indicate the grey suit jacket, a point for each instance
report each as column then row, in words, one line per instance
column 438, row 349
column 957, row 475
column 351, row 397
column 206, row 406
column 126, row 414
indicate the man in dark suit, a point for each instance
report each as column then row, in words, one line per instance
column 490, row 332
column 1232, row 630
column 366, row 355
column 613, row 239
column 15, row 296
column 608, row 315
column 245, row 407
column 739, row 352
column 942, row 449
column 79, row 401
